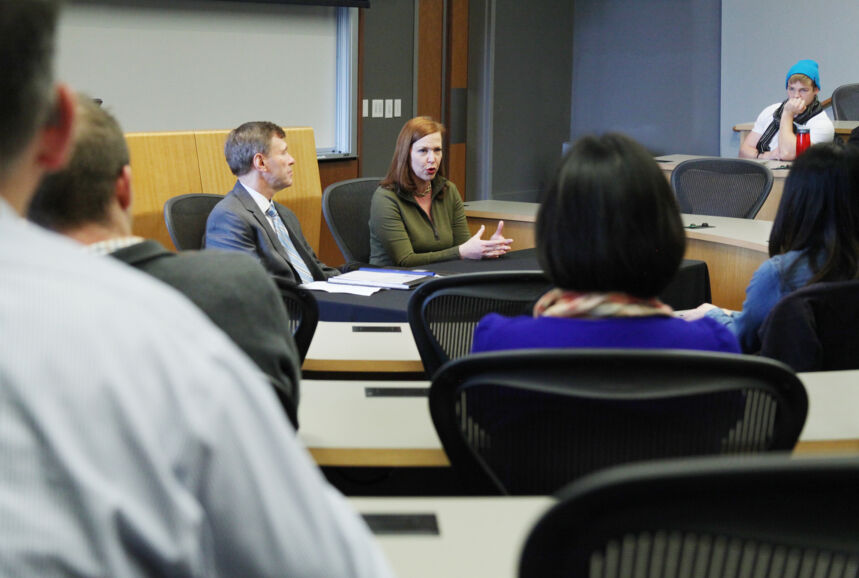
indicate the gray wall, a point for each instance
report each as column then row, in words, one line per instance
column 520, row 68
column 762, row 39
column 649, row 70
column 533, row 78
column 389, row 54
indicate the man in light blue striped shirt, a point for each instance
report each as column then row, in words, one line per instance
column 135, row 438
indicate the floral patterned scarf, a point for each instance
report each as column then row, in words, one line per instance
column 562, row 303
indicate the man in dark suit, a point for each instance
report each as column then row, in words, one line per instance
column 247, row 220
column 90, row 201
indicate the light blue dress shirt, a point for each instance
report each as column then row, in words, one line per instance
column 137, row 440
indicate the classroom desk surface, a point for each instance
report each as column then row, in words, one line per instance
column 733, row 249
column 342, row 426
column 477, row 537
column 842, row 128
column 363, row 347
column 519, row 219
column 779, row 170
column 833, row 412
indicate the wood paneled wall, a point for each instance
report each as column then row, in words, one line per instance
column 167, row 164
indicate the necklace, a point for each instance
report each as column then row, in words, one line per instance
column 427, row 190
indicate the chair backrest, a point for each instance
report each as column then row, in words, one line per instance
column 531, row 421
column 303, row 312
column 845, row 102
column 186, row 217
column 815, row 328
column 443, row 312
column 346, row 206
column 721, row 187
column 703, row 518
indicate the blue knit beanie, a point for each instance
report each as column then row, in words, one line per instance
column 806, row 67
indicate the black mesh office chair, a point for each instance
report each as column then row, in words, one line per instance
column 721, row 187
column 444, row 312
column 760, row 516
column 815, row 328
column 186, row 216
column 303, row 312
column 346, row 206
column 845, row 102
column 531, row 421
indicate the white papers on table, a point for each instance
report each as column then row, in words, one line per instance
column 333, row 288
column 385, row 278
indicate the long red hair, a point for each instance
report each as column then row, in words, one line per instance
column 400, row 175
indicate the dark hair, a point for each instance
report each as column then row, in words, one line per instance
column 400, row 174
column 610, row 222
column 27, row 30
column 248, row 140
column 819, row 212
column 82, row 191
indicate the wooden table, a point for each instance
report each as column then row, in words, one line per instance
column 341, row 426
column 478, row 536
column 779, row 170
column 519, row 219
column 842, row 128
column 733, row 248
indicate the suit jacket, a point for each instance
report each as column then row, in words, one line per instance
column 237, row 224
column 240, row 298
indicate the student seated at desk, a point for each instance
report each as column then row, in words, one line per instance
column 416, row 215
column 814, row 238
column 610, row 238
column 773, row 136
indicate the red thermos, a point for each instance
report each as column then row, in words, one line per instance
column 803, row 140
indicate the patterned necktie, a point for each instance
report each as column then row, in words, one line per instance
column 294, row 257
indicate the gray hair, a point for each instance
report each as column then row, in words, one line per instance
column 248, row 140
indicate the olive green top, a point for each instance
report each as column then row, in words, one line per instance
column 401, row 233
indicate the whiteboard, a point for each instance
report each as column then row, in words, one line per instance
column 197, row 65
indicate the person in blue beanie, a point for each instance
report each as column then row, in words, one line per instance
column 773, row 136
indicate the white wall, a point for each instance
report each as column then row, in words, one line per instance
column 762, row 39
column 204, row 65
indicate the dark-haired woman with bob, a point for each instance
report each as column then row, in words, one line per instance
column 814, row 238
column 610, row 238
column 416, row 215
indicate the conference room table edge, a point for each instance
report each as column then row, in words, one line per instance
column 826, row 391
column 732, row 248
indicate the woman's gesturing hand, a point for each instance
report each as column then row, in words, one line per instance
column 494, row 247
